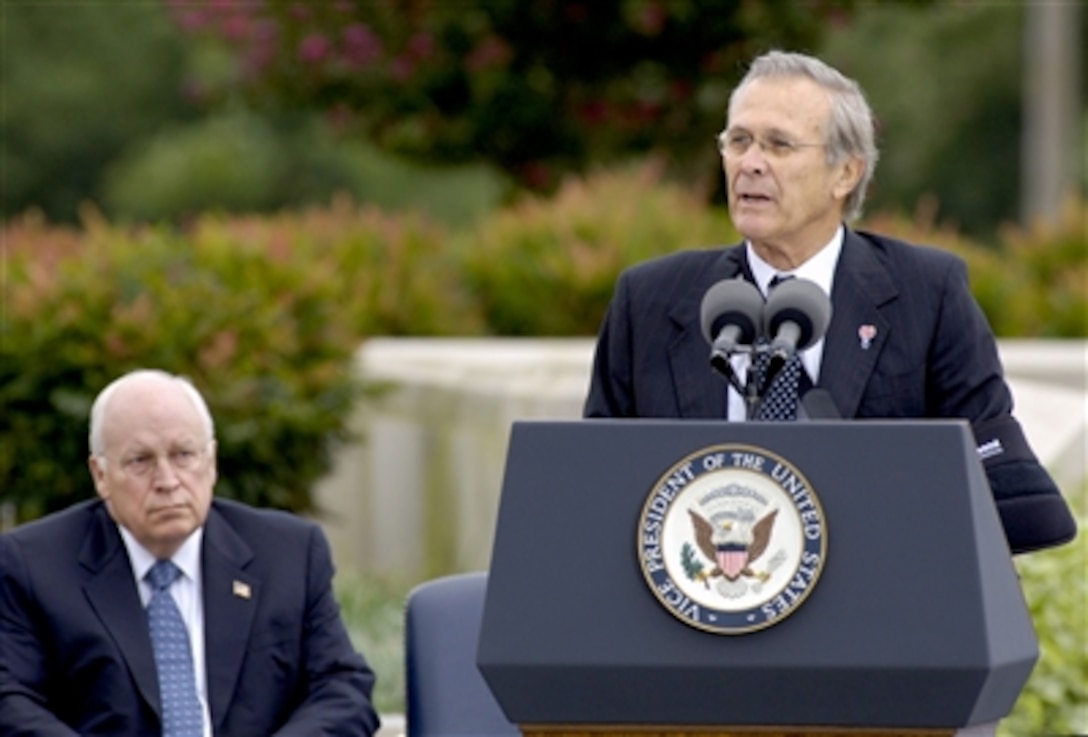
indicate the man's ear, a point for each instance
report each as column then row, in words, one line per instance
column 98, row 474
column 849, row 175
column 213, row 456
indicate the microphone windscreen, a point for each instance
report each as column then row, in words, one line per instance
column 800, row 301
column 731, row 302
column 819, row 405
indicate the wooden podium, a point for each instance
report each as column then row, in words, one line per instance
column 915, row 627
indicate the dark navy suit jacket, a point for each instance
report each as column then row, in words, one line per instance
column 75, row 653
column 932, row 355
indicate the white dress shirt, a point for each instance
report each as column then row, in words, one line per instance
column 819, row 269
column 188, row 594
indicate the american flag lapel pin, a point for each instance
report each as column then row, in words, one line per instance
column 866, row 333
column 242, row 590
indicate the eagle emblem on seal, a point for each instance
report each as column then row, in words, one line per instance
column 734, row 545
column 731, row 539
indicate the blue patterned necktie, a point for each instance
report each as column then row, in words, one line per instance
column 780, row 398
column 181, row 712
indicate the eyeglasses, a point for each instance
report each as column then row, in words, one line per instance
column 144, row 464
column 735, row 143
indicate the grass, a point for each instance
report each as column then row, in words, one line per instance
column 1055, row 584
column 373, row 609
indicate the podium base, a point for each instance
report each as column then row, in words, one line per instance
column 628, row 730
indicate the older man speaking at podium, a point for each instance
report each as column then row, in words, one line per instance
column 905, row 337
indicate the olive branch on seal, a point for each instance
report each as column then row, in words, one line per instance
column 693, row 567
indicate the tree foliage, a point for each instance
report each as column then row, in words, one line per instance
column 80, row 82
column 540, row 87
column 946, row 82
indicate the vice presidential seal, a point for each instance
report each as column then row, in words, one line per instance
column 732, row 539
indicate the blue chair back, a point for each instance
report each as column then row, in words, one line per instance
column 446, row 695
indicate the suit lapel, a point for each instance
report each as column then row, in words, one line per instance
column 230, row 602
column 112, row 593
column 858, row 331
column 700, row 392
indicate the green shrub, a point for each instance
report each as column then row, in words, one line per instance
column 1045, row 268
column 264, row 315
column 1031, row 284
column 547, row 266
column 389, row 274
column 241, row 162
column 231, row 162
column 1055, row 699
column 262, row 344
column 373, row 608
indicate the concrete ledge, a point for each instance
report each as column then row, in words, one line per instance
column 393, row 725
column 418, row 494
column 1050, row 362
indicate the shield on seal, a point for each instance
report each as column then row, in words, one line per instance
column 732, row 559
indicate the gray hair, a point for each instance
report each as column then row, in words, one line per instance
column 852, row 131
column 98, row 409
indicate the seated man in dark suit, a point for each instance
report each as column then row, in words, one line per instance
column 906, row 338
column 155, row 609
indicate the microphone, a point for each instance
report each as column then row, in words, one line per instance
column 731, row 313
column 797, row 314
column 819, row 405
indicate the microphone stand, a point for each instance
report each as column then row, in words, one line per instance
column 726, row 369
column 752, row 391
column 721, row 361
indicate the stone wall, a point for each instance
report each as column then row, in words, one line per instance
column 417, row 495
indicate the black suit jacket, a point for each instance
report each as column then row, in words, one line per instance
column 75, row 653
column 932, row 355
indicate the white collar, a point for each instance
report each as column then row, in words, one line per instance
column 820, row 268
column 187, row 559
